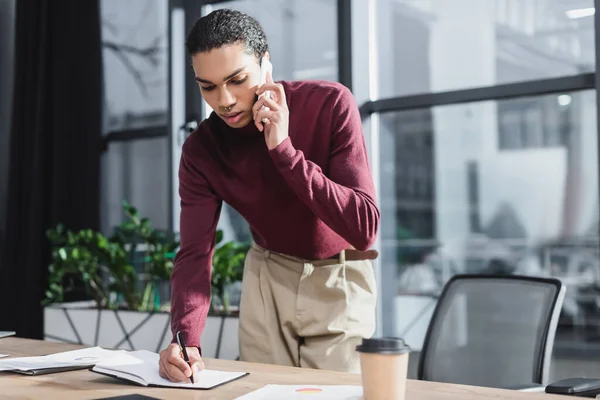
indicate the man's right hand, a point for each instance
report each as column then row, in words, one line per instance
column 173, row 367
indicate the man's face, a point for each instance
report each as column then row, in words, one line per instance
column 228, row 79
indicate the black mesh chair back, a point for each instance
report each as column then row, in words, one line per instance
column 495, row 331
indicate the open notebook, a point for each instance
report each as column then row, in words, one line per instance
column 142, row 368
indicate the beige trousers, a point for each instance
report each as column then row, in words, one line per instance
column 305, row 313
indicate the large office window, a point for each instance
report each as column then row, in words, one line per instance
column 456, row 198
column 135, row 163
column 439, row 45
column 135, row 59
column 486, row 143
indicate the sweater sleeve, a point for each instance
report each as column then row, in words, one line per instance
column 190, row 281
column 345, row 198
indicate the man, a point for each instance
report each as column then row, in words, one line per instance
column 298, row 172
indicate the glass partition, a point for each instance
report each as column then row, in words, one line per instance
column 135, row 56
column 135, row 59
column 135, row 171
column 440, row 45
column 502, row 187
column 302, row 35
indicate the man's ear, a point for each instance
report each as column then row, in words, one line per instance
column 267, row 55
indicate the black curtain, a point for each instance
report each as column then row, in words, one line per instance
column 7, row 38
column 54, row 147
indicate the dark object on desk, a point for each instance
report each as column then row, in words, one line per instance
column 129, row 397
column 51, row 370
column 580, row 387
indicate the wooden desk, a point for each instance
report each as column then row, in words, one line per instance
column 84, row 384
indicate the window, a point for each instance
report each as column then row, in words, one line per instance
column 302, row 35
column 537, row 122
column 441, row 45
column 135, row 60
column 135, row 57
column 455, row 202
column 136, row 171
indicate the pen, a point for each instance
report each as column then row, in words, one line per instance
column 185, row 355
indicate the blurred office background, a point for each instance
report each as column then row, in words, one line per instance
column 480, row 118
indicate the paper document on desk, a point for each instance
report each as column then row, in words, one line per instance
column 65, row 361
column 142, row 368
column 305, row 392
column 3, row 355
column 7, row 333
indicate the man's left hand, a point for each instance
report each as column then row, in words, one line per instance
column 276, row 119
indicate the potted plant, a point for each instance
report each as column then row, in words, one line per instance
column 228, row 268
column 126, row 276
column 106, row 266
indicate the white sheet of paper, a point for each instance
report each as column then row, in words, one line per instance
column 3, row 355
column 7, row 333
column 147, row 368
column 87, row 356
column 306, row 392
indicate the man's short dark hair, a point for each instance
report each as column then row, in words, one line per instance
column 224, row 27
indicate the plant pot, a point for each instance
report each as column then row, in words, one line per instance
column 82, row 323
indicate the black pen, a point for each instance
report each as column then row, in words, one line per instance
column 185, row 355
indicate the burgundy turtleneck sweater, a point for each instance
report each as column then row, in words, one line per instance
column 310, row 197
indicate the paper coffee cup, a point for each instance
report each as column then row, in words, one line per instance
column 384, row 368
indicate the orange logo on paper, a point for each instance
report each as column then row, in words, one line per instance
column 308, row 390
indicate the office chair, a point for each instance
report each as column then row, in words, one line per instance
column 494, row 331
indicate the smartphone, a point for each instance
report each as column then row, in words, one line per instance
column 265, row 67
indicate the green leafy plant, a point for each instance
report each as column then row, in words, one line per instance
column 228, row 267
column 106, row 265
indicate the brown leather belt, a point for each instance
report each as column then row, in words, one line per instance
column 357, row 255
